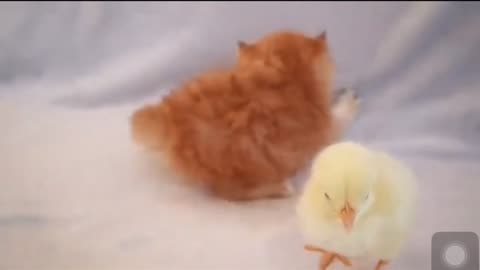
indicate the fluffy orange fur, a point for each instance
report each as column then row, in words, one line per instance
column 243, row 132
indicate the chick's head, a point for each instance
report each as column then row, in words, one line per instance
column 342, row 183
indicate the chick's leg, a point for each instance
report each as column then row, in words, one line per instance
column 381, row 265
column 328, row 257
column 326, row 260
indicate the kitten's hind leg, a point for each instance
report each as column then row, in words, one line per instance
column 281, row 189
column 345, row 110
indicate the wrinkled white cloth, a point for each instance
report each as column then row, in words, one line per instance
column 75, row 193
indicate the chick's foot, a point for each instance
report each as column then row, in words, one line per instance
column 381, row 265
column 328, row 257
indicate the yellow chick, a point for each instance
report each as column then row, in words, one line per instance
column 357, row 203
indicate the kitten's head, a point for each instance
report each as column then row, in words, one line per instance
column 289, row 52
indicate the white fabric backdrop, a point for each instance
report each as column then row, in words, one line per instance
column 76, row 194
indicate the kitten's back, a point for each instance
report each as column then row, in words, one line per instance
column 244, row 132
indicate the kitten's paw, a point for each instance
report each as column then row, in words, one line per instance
column 347, row 105
column 349, row 101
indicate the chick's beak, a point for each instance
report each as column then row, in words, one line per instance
column 347, row 215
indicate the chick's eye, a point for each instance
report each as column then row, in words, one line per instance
column 326, row 196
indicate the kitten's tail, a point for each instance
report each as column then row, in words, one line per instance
column 148, row 127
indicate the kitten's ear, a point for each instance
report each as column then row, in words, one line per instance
column 322, row 36
column 242, row 45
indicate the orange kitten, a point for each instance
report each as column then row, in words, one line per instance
column 243, row 132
